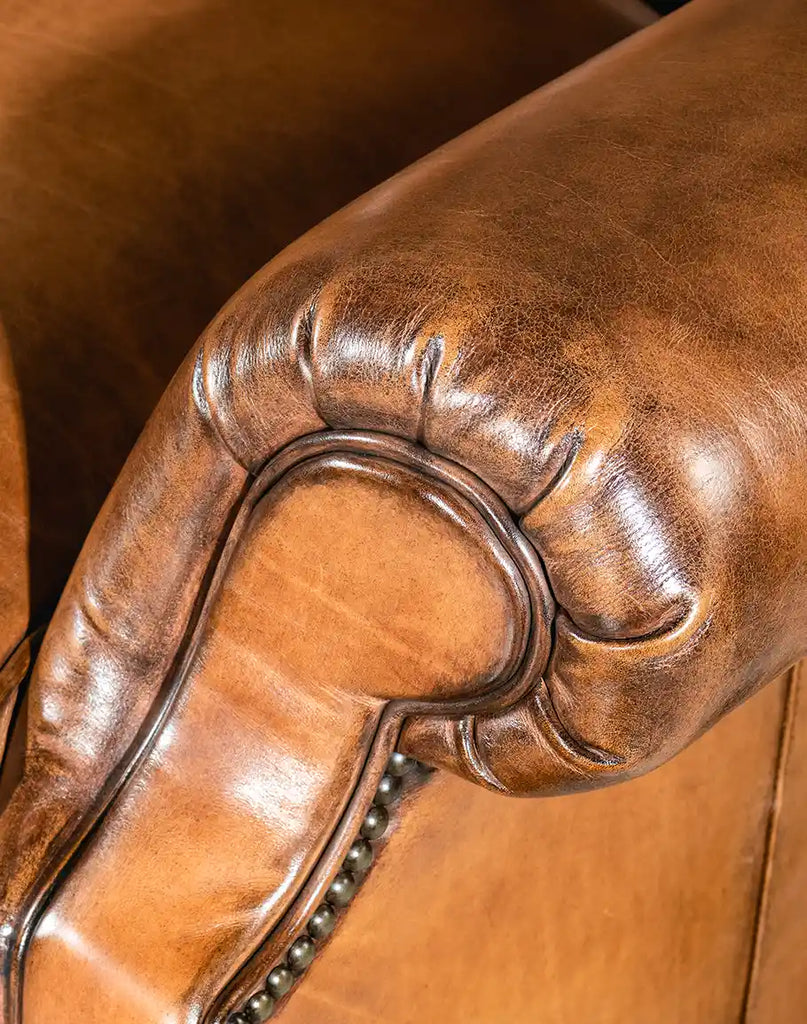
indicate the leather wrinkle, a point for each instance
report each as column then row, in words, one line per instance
column 202, row 399
column 305, row 327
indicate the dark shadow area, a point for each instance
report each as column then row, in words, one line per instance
column 151, row 172
column 666, row 6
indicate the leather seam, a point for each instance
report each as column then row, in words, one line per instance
column 760, row 912
column 517, row 681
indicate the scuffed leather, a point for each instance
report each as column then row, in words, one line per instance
column 596, row 302
column 598, row 306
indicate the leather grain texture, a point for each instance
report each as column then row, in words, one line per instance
column 629, row 905
column 155, row 153
column 319, row 621
column 134, row 135
column 594, row 302
column 640, row 411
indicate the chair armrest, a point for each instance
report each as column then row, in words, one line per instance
column 595, row 304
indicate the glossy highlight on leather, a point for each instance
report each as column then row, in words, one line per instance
column 242, row 651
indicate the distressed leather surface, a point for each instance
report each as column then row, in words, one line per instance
column 321, row 620
column 630, row 378
column 155, row 153
column 596, row 303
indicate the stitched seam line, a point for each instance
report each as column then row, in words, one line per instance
column 771, row 834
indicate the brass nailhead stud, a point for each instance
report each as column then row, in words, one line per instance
column 375, row 822
column 301, row 954
column 322, row 923
column 400, row 765
column 359, row 857
column 279, row 981
column 341, row 890
column 260, row 1007
column 389, row 789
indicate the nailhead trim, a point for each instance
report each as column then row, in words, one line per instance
column 300, row 954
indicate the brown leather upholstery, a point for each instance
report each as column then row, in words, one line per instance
column 13, row 512
column 630, row 905
column 157, row 152
column 592, row 308
column 777, row 989
column 409, row 597
column 13, row 542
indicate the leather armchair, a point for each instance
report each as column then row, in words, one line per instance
column 498, row 471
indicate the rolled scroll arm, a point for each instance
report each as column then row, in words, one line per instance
column 594, row 305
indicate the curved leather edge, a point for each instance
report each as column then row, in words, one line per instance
column 12, row 675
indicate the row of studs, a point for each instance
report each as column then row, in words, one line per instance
column 261, row 1006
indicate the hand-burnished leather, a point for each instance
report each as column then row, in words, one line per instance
column 157, row 152
column 630, row 905
column 596, row 304
column 319, row 633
